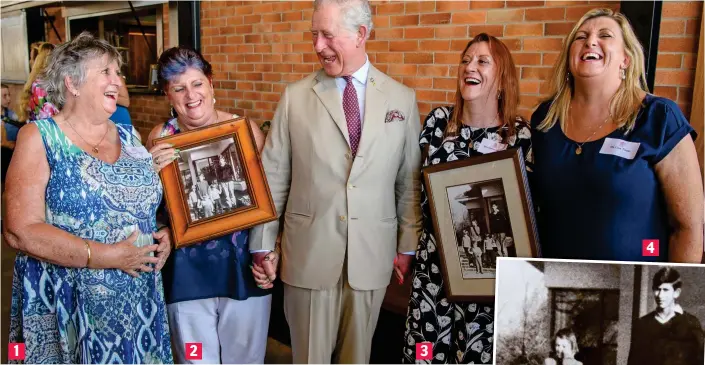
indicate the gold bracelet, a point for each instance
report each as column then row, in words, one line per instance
column 88, row 248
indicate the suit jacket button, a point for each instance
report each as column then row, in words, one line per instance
column 342, row 218
column 347, row 156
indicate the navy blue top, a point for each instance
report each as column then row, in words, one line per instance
column 215, row 268
column 601, row 206
column 121, row 116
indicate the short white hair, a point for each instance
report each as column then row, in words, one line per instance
column 355, row 13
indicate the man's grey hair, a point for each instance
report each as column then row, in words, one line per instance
column 69, row 59
column 355, row 13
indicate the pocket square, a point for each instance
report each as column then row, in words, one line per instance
column 393, row 115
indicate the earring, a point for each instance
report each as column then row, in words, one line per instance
column 499, row 94
column 623, row 74
column 567, row 77
column 172, row 112
column 213, row 101
column 75, row 94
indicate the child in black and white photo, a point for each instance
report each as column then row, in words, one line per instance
column 565, row 347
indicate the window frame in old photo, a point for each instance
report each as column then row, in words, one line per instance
column 479, row 289
column 187, row 232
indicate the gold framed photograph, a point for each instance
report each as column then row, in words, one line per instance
column 217, row 184
column 481, row 210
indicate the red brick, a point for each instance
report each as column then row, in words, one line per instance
column 417, row 33
column 535, row 73
column 302, row 5
column 446, row 83
column 416, row 58
column 689, row 61
column 674, row 77
column 672, row 27
column 529, row 59
column 392, row 57
column 553, row 3
column 470, row 17
column 530, row 101
column 436, row 18
column 389, row 33
column 263, row 8
column 678, row 44
column 505, row 16
column 382, row 46
column 693, row 27
column 272, row 58
column 685, row 95
column 447, row 58
column 668, row 60
column 381, row 21
column 682, row 9
column 452, row 5
column 302, row 26
column 550, row 58
column 458, row 45
column 253, row 58
column 433, row 70
column 419, row 7
column 435, row 45
column 404, row 70
column 302, row 48
column 525, row 29
column 245, row 85
column 282, row 6
column 493, row 30
column 452, row 32
column 577, row 12
column 562, row 29
column 418, row 82
column 528, row 87
column 543, row 44
column 264, row 67
column 513, row 44
column 271, row 18
column 431, row 95
column 486, row 4
column 386, row 9
column 252, row 19
column 292, row 16
column 543, row 14
column 402, row 46
column 404, row 20
column 524, row 4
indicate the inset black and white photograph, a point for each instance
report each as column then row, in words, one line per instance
column 575, row 312
column 482, row 228
column 213, row 179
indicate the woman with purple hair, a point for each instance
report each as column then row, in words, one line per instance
column 211, row 295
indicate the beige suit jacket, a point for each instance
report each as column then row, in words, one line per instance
column 332, row 203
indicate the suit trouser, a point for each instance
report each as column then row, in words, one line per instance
column 335, row 324
column 231, row 331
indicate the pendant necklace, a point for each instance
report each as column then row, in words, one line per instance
column 579, row 150
column 94, row 147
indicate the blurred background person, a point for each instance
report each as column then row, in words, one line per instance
column 86, row 286
column 211, row 295
column 33, row 101
column 614, row 164
column 122, row 113
column 9, row 126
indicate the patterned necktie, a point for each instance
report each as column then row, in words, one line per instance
column 352, row 113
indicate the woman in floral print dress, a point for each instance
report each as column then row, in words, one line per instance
column 486, row 108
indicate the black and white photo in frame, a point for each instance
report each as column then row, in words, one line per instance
column 598, row 312
column 213, row 180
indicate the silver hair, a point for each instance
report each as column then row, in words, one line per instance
column 355, row 13
column 69, row 59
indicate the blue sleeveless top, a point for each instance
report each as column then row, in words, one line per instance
column 601, row 206
column 215, row 268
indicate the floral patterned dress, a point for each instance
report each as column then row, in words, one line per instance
column 39, row 107
column 460, row 332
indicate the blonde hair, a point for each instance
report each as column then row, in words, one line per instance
column 40, row 54
column 625, row 103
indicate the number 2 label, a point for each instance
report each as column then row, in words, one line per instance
column 649, row 248
column 424, row 351
column 194, row 351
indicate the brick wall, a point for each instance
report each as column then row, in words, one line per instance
column 678, row 51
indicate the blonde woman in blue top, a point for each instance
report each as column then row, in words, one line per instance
column 614, row 165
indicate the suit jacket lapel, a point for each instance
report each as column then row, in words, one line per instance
column 375, row 109
column 327, row 92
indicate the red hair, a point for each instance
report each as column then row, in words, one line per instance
column 508, row 81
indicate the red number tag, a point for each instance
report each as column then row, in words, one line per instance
column 15, row 351
column 194, row 351
column 649, row 248
column 424, row 351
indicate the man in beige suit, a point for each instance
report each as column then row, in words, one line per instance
column 342, row 161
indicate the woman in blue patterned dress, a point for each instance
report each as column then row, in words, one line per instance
column 82, row 214
column 211, row 294
column 485, row 111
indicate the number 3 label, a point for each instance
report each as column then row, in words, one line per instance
column 649, row 248
column 424, row 351
column 194, row 351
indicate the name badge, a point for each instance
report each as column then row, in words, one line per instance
column 621, row 148
column 138, row 152
column 487, row 146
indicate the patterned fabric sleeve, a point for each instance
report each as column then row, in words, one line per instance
column 39, row 106
column 433, row 128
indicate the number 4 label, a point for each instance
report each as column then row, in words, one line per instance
column 649, row 248
column 424, row 351
column 15, row 351
column 194, row 351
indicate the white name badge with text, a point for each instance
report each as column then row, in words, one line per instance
column 487, row 146
column 620, row 148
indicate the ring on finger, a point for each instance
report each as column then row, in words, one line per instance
column 156, row 160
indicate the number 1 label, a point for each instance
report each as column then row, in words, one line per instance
column 15, row 351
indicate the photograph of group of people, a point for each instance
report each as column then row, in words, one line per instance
column 607, row 160
column 212, row 178
column 552, row 312
column 482, row 227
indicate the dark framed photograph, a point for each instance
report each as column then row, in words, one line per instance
column 217, row 184
column 481, row 210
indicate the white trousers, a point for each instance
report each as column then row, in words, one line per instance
column 231, row 331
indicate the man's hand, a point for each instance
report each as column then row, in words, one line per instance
column 402, row 266
column 162, row 236
column 264, row 268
